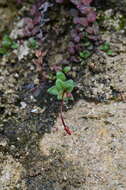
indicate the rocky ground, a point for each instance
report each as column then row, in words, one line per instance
column 35, row 152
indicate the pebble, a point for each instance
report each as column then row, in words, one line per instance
column 23, row 105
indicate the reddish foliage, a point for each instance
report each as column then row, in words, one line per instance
column 86, row 2
column 91, row 17
column 39, row 61
column 84, row 18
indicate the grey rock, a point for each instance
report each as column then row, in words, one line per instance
column 3, row 2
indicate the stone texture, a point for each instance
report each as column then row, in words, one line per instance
column 119, row 5
column 93, row 157
column 10, row 173
column 105, row 75
column 3, row 2
column 97, row 145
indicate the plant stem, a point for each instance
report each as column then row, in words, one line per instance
column 66, row 128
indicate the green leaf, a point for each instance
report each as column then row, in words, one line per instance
column 105, row 47
column 60, row 85
column 6, row 42
column 3, row 51
column 85, row 54
column 110, row 52
column 60, row 75
column 32, row 43
column 7, row 38
column 53, row 90
column 69, row 85
column 67, row 69
column 14, row 45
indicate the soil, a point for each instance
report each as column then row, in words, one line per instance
column 35, row 152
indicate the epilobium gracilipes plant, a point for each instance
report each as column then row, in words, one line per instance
column 7, row 44
column 106, row 48
column 63, row 91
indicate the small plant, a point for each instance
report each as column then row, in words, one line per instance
column 7, row 44
column 32, row 43
column 85, row 54
column 106, row 48
column 62, row 89
column 85, row 36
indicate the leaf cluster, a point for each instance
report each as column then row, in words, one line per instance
column 32, row 43
column 85, row 26
column 63, row 87
column 106, row 48
column 7, row 44
column 85, row 54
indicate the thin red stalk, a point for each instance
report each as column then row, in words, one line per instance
column 66, row 128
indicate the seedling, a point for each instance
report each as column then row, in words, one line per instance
column 106, row 48
column 66, row 69
column 7, row 43
column 85, row 54
column 62, row 89
column 32, row 43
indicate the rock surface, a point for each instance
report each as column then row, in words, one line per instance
column 104, row 77
column 96, row 148
column 119, row 5
column 3, row 2
column 11, row 172
column 6, row 16
column 35, row 156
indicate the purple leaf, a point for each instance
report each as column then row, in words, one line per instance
column 27, row 20
column 35, row 30
column 86, row 2
column 26, row 32
column 74, row 59
column 71, row 48
column 59, row 1
column 81, row 20
column 91, row 17
column 73, row 33
column 39, row 35
column 76, row 20
column 37, row 20
column 33, row 10
column 30, row 25
column 19, row 1
column 74, row 12
column 90, row 30
column 75, row 2
column 84, row 9
column 77, row 38
column 78, row 47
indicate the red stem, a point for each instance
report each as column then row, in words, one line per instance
column 66, row 128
